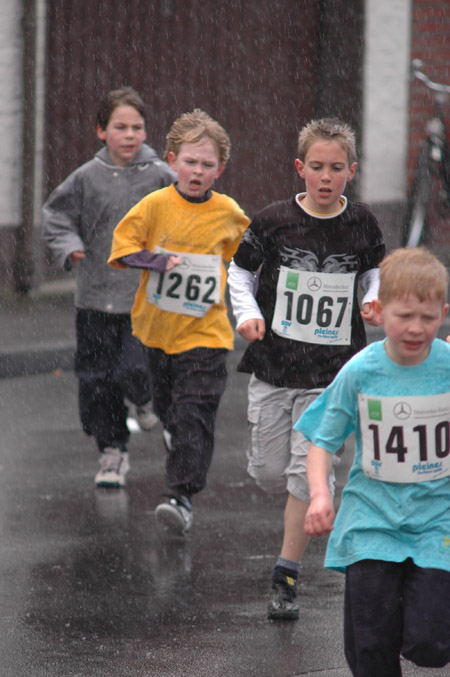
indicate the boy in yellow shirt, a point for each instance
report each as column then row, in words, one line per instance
column 179, row 237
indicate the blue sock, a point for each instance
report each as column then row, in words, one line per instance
column 286, row 567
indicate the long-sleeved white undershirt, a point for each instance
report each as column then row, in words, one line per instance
column 242, row 284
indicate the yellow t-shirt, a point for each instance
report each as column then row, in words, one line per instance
column 167, row 220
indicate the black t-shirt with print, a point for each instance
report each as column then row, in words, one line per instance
column 283, row 234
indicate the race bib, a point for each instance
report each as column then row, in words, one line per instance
column 314, row 307
column 191, row 288
column 405, row 439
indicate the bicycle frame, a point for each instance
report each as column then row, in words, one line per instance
column 433, row 161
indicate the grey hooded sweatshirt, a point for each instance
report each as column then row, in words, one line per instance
column 81, row 214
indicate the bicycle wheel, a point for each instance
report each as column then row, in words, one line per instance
column 415, row 223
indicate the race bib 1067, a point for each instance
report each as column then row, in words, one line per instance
column 191, row 288
column 314, row 307
column 405, row 439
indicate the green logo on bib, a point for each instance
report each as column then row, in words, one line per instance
column 375, row 410
column 445, row 544
column 292, row 281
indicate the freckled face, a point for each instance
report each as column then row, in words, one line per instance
column 326, row 171
column 124, row 134
column 197, row 166
column 411, row 326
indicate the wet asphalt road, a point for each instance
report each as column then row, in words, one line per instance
column 88, row 587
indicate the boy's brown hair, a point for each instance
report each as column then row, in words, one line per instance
column 412, row 271
column 194, row 126
column 327, row 129
column 124, row 96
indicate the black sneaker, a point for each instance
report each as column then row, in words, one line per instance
column 175, row 514
column 282, row 604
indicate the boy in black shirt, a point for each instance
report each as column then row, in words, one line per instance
column 303, row 322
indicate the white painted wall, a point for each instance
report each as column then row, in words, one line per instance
column 385, row 100
column 11, row 112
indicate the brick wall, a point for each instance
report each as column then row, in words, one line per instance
column 430, row 42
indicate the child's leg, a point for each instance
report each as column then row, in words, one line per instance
column 277, row 463
column 102, row 411
column 426, row 634
column 199, row 378
column 133, row 375
column 295, row 538
column 373, row 618
column 161, row 375
column 270, row 423
column 133, row 370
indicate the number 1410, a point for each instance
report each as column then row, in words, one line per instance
column 396, row 444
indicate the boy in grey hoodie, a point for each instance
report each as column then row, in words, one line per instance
column 79, row 218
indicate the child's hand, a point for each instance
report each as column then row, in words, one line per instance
column 448, row 339
column 320, row 516
column 252, row 330
column 173, row 261
column 368, row 315
column 76, row 257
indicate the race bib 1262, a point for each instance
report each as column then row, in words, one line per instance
column 191, row 288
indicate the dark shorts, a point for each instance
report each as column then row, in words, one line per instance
column 394, row 609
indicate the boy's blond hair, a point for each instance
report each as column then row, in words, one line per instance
column 191, row 128
column 412, row 271
column 327, row 129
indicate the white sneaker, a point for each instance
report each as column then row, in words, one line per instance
column 175, row 515
column 167, row 439
column 146, row 417
column 114, row 465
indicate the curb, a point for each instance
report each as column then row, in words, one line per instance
column 45, row 354
column 42, row 360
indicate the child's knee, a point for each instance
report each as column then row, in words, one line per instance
column 297, row 485
column 268, row 479
column 426, row 650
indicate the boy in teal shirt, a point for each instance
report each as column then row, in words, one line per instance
column 392, row 531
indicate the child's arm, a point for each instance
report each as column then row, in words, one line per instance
column 370, row 282
column 76, row 257
column 320, row 515
column 61, row 215
column 249, row 320
column 146, row 260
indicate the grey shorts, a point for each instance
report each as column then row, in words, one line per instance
column 277, row 453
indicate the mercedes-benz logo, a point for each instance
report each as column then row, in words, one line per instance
column 314, row 283
column 185, row 263
column 402, row 410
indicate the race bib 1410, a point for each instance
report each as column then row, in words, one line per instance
column 405, row 439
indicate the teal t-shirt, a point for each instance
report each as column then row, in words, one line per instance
column 385, row 520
